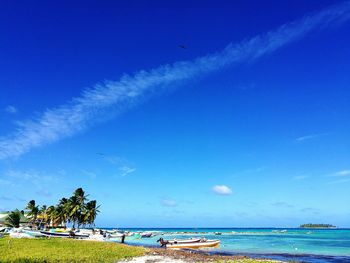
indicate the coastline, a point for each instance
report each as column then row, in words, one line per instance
column 190, row 255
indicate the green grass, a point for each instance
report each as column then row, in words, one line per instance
column 63, row 250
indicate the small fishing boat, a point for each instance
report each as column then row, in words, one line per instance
column 19, row 233
column 146, row 234
column 184, row 241
column 63, row 234
column 34, row 233
column 194, row 244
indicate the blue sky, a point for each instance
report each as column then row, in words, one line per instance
column 246, row 126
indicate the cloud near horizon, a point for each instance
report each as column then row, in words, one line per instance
column 222, row 190
column 116, row 96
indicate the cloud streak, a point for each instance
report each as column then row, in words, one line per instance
column 116, row 96
column 309, row 137
column 11, row 109
column 341, row 173
column 222, row 190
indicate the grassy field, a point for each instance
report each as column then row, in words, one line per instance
column 63, row 250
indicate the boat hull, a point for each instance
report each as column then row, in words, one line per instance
column 195, row 245
column 63, row 235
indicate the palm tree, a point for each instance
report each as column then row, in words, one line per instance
column 43, row 215
column 52, row 216
column 63, row 211
column 76, row 206
column 76, row 210
column 91, row 211
column 14, row 218
column 33, row 211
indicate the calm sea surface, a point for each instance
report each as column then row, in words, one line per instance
column 303, row 245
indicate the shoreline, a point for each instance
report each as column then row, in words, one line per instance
column 172, row 255
column 209, row 256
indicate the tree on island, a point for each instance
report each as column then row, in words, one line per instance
column 77, row 210
column 317, row 226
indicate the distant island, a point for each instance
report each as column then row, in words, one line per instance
column 317, row 226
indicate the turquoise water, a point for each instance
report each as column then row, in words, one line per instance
column 306, row 245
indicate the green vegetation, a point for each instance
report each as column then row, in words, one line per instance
column 317, row 226
column 14, row 218
column 64, row 250
column 76, row 210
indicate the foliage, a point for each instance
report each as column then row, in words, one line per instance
column 64, row 250
column 77, row 210
column 317, row 226
column 13, row 219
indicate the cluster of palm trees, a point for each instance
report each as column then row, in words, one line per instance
column 77, row 210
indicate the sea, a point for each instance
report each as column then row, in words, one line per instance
column 286, row 244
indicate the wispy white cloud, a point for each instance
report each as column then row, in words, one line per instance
column 341, row 173
column 11, row 109
column 342, row 176
column 126, row 170
column 29, row 177
column 309, row 137
column 115, row 96
column 340, row 181
column 124, row 166
column 222, row 190
column 169, row 202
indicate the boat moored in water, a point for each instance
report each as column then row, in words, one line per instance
column 187, row 243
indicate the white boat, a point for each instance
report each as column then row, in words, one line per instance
column 96, row 237
column 182, row 241
column 34, row 233
column 19, row 233
column 116, row 235
column 63, row 234
column 194, row 245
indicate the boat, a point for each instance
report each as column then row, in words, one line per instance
column 194, row 245
column 34, row 233
column 143, row 235
column 184, row 241
column 63, row 234
column 18, row 233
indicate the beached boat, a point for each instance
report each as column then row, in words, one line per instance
column 34, row 233
column 194, row 245
column 63, row 234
